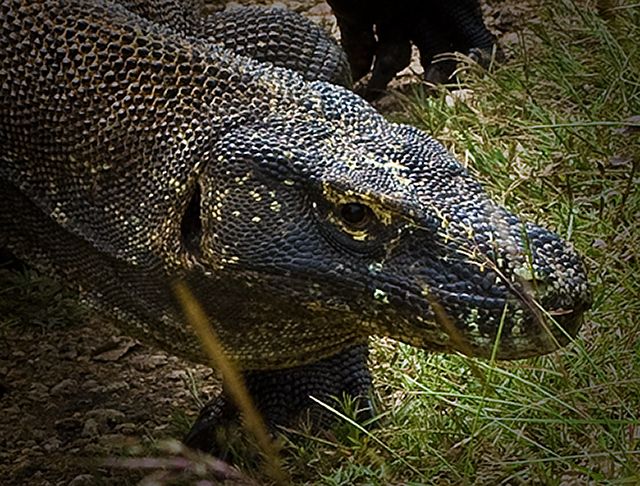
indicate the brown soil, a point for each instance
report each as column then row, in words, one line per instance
column 74, row 396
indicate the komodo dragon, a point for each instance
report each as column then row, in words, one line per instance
column 135, row 152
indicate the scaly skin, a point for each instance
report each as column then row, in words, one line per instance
column 134, row 153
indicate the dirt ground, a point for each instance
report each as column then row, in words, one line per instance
column 72, row 396
column 79, row 393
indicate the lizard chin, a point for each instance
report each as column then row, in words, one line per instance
column 539, row 333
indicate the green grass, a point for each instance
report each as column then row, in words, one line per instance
column 550, row 136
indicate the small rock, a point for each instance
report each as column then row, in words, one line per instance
column 459, row 96
column 38, row 477
column 65, row 387
column 36, row 450
column 92, row 385
column 66, row 425
column 510, row 39
column 115, row 349
column 69, row 354
column 159, row 359
column 160, row 428
column 117, row 386
column 116, row 440
column 176, row 375
column 14, row 374
column 39, row 434
column 90, row 428
column 126, row 428
column 37, row 390
column 149, row 363
column 620, row 160
column 47, row 348
column 319, row 10
column 53, row 444
column 632, row 126
column 83, row 480
column 106, row 417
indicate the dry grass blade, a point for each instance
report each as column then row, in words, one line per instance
column 180, row 464
column 232, row 378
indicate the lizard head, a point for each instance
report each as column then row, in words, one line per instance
column 342, row 225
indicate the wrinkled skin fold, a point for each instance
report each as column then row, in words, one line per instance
column 135, row 152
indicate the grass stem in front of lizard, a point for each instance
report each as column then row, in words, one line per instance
column 232, row 379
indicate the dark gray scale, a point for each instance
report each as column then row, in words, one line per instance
column 274, row 35
column 282, row 38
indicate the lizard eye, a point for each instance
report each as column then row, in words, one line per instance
column 356, row 215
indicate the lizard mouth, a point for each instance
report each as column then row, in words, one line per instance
column 509, row 319
column 509, row 326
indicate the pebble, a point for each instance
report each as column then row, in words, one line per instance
column 177, row 375
column 90, row 428
column 66, row 425
column 70, row 354
column 53, row 444
column 116, row 386
column 65, row 387
column 127, row 428
column 149, row 363
column 106, row 416
column 92, row 385
column 83, row 480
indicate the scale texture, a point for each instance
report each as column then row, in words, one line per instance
column 141, row 144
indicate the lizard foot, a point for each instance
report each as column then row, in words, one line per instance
column 283, row 398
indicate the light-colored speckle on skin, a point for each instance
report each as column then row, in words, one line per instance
column 517, row 328
column 471, row 321
column 380, row 296
column 275, row 206
column 376, row 267
column 525, row 273
column 231, row 260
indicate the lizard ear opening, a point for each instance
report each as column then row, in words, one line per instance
column 191, row 224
